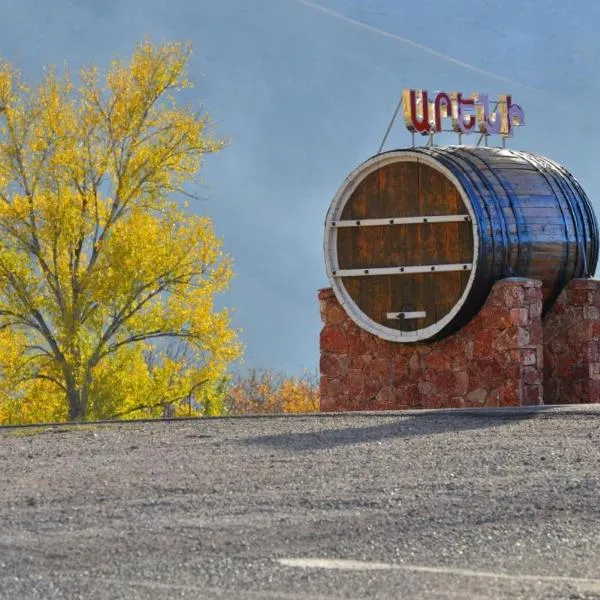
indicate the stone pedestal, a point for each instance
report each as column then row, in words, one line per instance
column 495, row 360
column 572, row 345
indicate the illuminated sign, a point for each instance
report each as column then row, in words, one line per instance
column 474, row 114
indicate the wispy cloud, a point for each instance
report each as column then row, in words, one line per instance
column 409, row 42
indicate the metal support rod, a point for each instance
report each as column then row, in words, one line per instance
column 485, row 134
column 391, row 124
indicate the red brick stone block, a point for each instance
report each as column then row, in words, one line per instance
column 513, row 296
column 381, row 348
column 329, row 404
column 438, row 360
column 335, row 314
column 326, row 294
column 577, row 296
column 593, row 392
column 536, row 334
column 356, row 342
column 533, row 376
column 593, row 351
column 447, row 383
column 534, row 293
column 407, row 396
column 519, row 316
column 527, row 358
column 484, row 372
column 477, row 397
column 483, row 342
column 377, row 368
column 491, row 318
column 399, row 366
column 331, row 399
column 459, row 362
column 386, row 397
column 511, row 394
column 329, row 365
column 540, row 356
column 333, row 339
column 535, row 310
column 532, row 395
column 514, row 337
column 415, row 364
column 354, row 383
column 579, row 332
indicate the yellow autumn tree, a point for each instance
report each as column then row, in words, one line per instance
column 100, row 266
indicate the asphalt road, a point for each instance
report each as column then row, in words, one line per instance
column 461, row 504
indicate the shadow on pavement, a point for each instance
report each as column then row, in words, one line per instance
column 403, row 427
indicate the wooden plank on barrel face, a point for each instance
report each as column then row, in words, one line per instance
column 447, row 291
column 405, row 202
column 423, row 251
column 432, row 192
column 352, row 285
column 401, row 199
column 345, row 248
column 405, row 297
column 377, row 292
column 370, row 250
column 356, row 206
column 394, row 183
column 364, row 197
column 395, row 198
column 371, row 295
column 399, row 193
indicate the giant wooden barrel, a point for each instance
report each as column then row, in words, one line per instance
column 415, row 239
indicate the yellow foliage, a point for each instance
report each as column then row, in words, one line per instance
column 265, row 391
column 99, row 265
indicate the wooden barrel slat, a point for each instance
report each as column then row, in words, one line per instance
column 527, row 216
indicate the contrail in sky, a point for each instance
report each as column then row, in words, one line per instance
column 408, row 42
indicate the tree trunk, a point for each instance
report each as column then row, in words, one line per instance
column 77, row 397
column 77, row 410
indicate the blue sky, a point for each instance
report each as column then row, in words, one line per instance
column 305, row 94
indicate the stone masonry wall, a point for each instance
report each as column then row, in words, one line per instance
column 572, row 345
column 495, row 360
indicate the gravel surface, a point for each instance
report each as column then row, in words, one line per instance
column 454, row 504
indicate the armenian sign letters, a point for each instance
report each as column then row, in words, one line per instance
column 474, row 114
